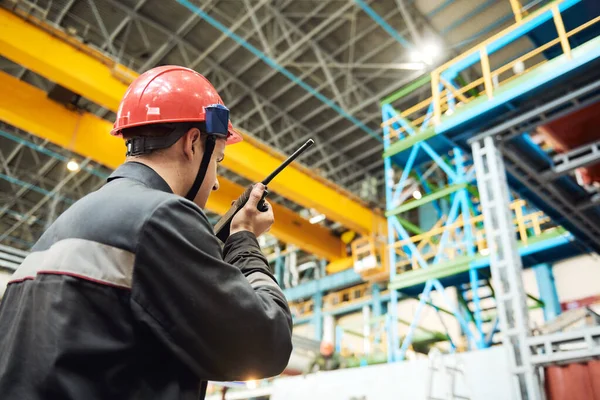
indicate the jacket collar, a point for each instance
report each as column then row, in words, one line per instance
column 141, row 173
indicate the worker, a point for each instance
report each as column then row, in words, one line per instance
column 326, row 360
column 129, row 294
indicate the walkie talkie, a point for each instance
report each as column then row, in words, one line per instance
column 223, row 226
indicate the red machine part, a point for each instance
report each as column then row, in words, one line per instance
column 577, row 381
column 574, row 130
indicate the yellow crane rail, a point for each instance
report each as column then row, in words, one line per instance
column 60, row 58
column 28, row 108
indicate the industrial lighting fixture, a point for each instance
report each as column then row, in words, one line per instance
column 417, row 195
column 432, row 50
column 412, row 66
column 416, row 56
column 73, row 166
column 317, row 218
column 429, row 53
column 251, row 384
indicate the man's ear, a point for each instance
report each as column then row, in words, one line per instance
column 192, row 142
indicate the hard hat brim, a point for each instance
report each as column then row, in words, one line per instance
column 234, row 136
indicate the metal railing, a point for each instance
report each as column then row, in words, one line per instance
column 334, row 300
column 526, row 227
column 447, row 98
column 369, row 258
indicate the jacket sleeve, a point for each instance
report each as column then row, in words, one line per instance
column 227, row 319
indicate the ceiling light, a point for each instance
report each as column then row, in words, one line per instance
column 251, row 384
column 414, row 66
column 416, row 56
column 73, row 166
column 417, row 195
column 432, row 50
column 317, row 218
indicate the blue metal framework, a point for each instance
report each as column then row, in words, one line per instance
column 441, row 142
column 461, row 208
column 547, row 288
column 410, row 146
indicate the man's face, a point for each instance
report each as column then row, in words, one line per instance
column 211, row 181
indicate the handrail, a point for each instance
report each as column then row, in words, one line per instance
column 444, row 93
column 527, row 225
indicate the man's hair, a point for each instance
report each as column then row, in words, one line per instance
column 157, row 130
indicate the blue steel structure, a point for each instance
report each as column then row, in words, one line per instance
column 567, row 34
column 461, row 206
column 547, row 288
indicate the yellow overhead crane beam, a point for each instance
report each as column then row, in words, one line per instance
column 83, row 70
column 28, row 108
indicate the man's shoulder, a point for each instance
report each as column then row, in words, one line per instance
column 180, row 212
column 140, row 199
column 117, row 214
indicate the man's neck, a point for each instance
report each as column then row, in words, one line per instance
column 169, row 172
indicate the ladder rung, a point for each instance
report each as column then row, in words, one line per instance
column 487, row 296
column 510, row 332
column 519, row 370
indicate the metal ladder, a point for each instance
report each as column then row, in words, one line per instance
column 506, row 267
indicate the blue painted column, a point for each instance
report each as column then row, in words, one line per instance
column 547, row 289
column 376, row 295
column 318, row 315
column 339, row 333
column 377, row 308
column 279, row 262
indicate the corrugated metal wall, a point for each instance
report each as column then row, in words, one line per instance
column 578, row 381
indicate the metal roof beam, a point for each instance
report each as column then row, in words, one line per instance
column 51, row 57
column 273, row 63
column 215, row 66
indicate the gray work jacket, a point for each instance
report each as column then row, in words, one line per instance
column 128, row 295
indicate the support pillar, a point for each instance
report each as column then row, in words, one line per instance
column 318, row 315
column 376, row 293
column 547, row 288
column 339, row 332
column 377, row 309
column 329, row 328
column 506, row 267
column 279, row 261
column 366, row 312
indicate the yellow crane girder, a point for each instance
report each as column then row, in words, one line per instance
column 63, row 59
column 28, row 108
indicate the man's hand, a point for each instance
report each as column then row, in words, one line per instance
column 249, row 218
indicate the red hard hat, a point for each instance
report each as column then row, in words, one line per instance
column 168, row 94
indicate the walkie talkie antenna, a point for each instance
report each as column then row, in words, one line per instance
column 222, row 227
column 287, row 162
